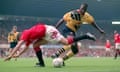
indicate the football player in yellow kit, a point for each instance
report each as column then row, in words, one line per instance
column 73, row 20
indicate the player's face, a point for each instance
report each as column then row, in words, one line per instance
column 14, row 29
column 83, row 8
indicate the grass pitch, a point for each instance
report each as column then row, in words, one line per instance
column 84, row 64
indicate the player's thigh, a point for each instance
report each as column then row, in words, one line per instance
column 117, row 45
column 39, row 42
column 107, row 50
column 66, row 32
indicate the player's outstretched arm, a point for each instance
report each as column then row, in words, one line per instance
column 98, row 28
column 22, row 51
column 59, row 22
column 14, row 50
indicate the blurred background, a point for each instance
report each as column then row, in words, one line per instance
column 26, row 13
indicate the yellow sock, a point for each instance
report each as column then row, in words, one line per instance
column 67, row 47
column 68, row 55
column 62, row 50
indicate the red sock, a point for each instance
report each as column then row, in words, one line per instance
column 36, row 49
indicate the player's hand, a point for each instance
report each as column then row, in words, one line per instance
column 8, row 58
column 102, row 32
column 16, row 56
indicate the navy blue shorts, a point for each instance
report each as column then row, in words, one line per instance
column 66, row 31
column 13, row 44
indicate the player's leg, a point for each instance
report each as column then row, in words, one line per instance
column 74, row 47
column 117, row 46
column 61, row 50
column 119, row 52
column 107, row 52
column 88, row 36
column 12, row 45
column 74, row 50
column 10, row 50
column 38, row 52
column 66, row 32
column 116, row 54
column 16, row 54
column 119, row 49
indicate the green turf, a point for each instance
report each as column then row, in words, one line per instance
column 86, row 64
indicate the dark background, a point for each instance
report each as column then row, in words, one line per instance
column 100, row 9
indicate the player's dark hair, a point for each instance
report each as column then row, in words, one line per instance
column 85, row 5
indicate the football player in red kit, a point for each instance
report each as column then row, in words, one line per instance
column 41, row 34
column 117, row 43
column 107, row 48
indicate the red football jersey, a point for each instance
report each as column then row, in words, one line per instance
column 107, row 45
column 116, row 38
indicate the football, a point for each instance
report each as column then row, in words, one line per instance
column 58, row 62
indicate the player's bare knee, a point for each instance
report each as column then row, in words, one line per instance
column 35, row 45
column 79, row 45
